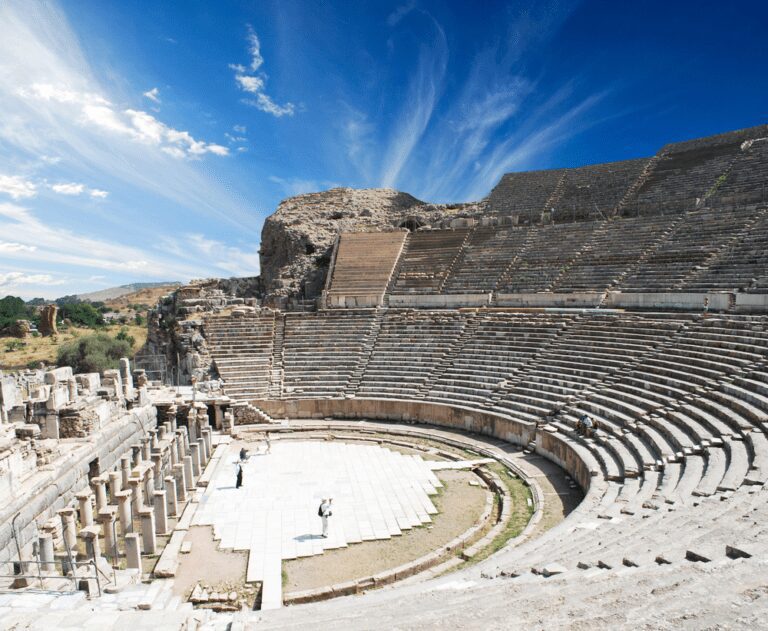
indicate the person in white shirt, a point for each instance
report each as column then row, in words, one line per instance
column 324, row 511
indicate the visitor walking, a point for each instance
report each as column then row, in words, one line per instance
column 269, row 444
column 239, row 481
column 324, row 512
column 243, row 454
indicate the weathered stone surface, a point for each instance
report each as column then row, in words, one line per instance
column 48, row 320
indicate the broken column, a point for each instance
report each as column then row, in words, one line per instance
column 100, row 489
column 68, row 529
column 107, row 520
column 124, row 511
column 127, row 378
column 115, row 484
column 90, row 536
column 45, row 546
column 180, row 476
column 161, row 512
column 195, row 447
column 170, row 496
column 132, row 554
column 208, row 442
column 125, row 470
column 86, row 510
column 148, row 539
column 137, row 497
column 189, row 479
column 146, row 448
column 72, row 388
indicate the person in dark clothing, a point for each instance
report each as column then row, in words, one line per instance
column 239, row 482
column 243, row 453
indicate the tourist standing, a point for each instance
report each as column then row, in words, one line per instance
column 269, row 444
column 324, row 511
column 239, row 481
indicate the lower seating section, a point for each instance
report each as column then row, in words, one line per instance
column 241, row 348
column 487, row 254
column 322, row 350
column 695, row 240
column 427, row 260
column 364, row 262
column 409, row 348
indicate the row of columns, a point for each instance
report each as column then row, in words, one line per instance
column 149, row 484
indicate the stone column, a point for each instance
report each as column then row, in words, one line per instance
column 192, row 424
column 52, row 426
column 195, row 447
column 68, row 531
column 90, row 536
column 189, row 479
column 180, row 477
column 173, row 449
column 125, row 470
column 172, row 411
column 99, row 486
column 170, row 496
column 86, row 510
column 124, row 511
column 148, row 539
column 146, row 448
column 161, row 512
column 149, row 485
column 107, row 520
column 201, row 452
column 137, row 497
column 127, row 378
column 208, row 443
column 47, row 560
column 72, row 389
column 157, row 470
column 162, row 430
column 137, row 453
column 185, row 438
column 132, row 554
column 115, row 484
column 154, row 442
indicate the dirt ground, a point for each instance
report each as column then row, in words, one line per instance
column 207, row 563
column 460, row 506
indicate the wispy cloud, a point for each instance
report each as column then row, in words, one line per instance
column 52, row 105
column 419, row 103
column 11, row 247
column 153, row 95
column 17, row 187
column 13, row 280
column 75, row 189
column 253, row 82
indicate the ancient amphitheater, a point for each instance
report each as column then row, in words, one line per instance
column 389, row 340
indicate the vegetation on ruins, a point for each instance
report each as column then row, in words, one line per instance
column 82, row 313
column 94, row 353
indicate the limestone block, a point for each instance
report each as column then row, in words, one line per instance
column 89, row 381
column 58, row 375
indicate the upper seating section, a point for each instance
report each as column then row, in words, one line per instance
column 427, row 260
column 594, row 192
column 524, row 194
column 365, row 262
column 747, row 181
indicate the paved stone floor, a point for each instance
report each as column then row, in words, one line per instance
column 377, row 493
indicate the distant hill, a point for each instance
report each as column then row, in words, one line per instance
column 123, row 290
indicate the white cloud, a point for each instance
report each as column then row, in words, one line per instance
column 9, row 247
column 240, row 129
column 17, row 187
column 400, row 12
column 68, row 189
column 153, row 95
column 18, row 279
column 97, row 193
column 254, row 84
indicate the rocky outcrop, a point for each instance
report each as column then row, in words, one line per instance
column 48, row 320
column 297, row 240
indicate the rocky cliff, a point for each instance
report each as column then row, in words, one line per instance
column 297, row 240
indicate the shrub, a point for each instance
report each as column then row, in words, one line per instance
column 140, row 320
column 82, row 313
column 14, row 345
column 93, row 353
column 123, row 336
column 12, row 309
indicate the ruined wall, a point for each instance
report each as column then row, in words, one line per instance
column 297, row 240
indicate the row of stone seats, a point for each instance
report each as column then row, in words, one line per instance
column 682, row 176
column 549, row 249
column 692, row 242
column 747, row 178
column 408, row 349
column 322, row 350
column 741, row 265
column 488, row 252
column 500, row 345
column 611, row 251
column 524, row 193
column 595, row 191
column 365, row 261
column 241, row 348
column 427, row 259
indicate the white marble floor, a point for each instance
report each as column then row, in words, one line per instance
column 377, row 493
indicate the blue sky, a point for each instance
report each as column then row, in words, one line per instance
column 144, row 140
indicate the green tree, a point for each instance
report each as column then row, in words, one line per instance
column 12, row 309
column 93, row 353
column 82, row 313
